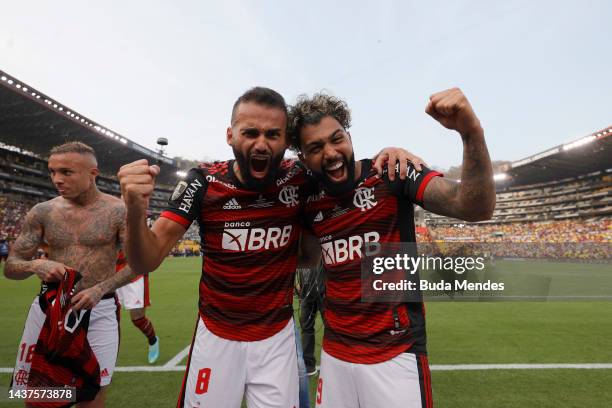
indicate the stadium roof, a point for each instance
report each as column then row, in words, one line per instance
column 589, row 154
column 35, row 122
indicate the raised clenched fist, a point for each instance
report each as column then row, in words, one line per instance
column 137, row 181
column 452, row 109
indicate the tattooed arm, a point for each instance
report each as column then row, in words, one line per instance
column 19, row 264
column 473, row 199
column 88, row 298
column 126, row 274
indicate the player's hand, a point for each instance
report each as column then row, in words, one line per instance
column 452, row 109
column 49, row 271
column 394, row 155
column 87, row 298
column 137, row 181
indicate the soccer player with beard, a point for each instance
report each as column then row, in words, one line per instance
column 249, row 214
column 374, row 354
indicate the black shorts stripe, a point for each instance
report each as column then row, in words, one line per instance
column 424, row 381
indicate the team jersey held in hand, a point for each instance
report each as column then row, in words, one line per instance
column 249, row 242
column 376, row 211
column 63, row 356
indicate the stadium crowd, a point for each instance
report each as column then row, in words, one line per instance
column 597, row 230
column 568, row 239
column 577, row 198
column 12, row 213
column 566, row 233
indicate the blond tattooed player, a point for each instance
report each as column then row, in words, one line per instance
column 83, row 228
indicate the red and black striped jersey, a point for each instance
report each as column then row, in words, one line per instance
column 376, row 211
column 249, row 242
column 63, row 356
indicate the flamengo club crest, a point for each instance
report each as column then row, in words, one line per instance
column 21, row 377
column 289, row 196
column 364, row 198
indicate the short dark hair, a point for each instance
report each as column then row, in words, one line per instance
column 310, row 111
column 261, row 96
column 73, row 147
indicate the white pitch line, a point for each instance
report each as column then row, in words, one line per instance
column 140, row 369
column 465, row 367
column 178, row 358
column 435, row 367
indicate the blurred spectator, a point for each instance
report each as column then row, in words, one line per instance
column 568, row 239
column 4, row 249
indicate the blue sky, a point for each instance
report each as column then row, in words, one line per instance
column 537, row 73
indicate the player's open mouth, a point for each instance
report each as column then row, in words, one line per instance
column 336, row 171
column 259, row 164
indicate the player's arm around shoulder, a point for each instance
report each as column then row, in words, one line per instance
column 19, row 264
column 392, row 162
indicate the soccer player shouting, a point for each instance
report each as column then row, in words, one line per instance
column 249, row 214
column 374, row 354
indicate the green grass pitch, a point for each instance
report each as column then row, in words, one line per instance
column 458, row 333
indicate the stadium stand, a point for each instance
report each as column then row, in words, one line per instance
column 579, row 197
column 31, row 123
column 26, row 174
column 552, row 196
column 593, row 230
column 552, row 205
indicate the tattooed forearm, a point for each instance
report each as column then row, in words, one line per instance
column 473, row 199
column 477, row 190
column 441, row 196
column 19, row 264
column 119, row 279
column 125, row 275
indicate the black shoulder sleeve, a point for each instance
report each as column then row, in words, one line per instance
column 185, row 204
column 413, row 186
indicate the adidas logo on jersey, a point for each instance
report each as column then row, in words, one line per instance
column 318, row 217
column 232, row 205
column 104, row 373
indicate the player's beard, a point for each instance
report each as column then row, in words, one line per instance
column 252, row 183
column 337, row 189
